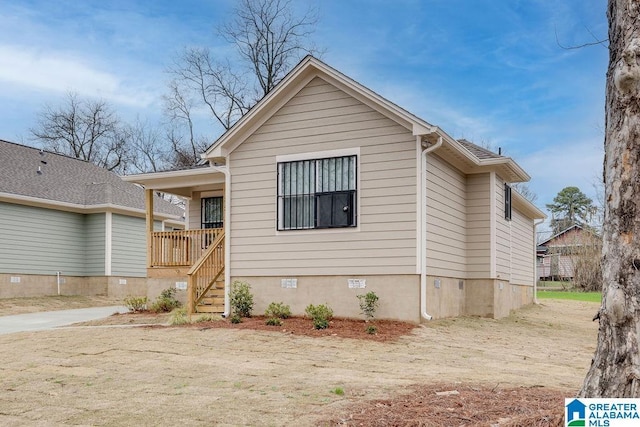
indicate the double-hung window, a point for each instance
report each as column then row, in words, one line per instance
column 318, row 193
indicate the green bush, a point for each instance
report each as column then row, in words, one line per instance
column 235, row 318
column 274, row 321
column 371, row 329
column 320, row 314
column 368, row 304
column 165, row 302
column 278, row 310
column 241, row 298
column 136, row 304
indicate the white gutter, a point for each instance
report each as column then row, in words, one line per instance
column 535, row 261
column 423, row 223
column 227, row 230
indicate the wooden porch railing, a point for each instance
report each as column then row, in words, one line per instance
column 204, row 275
column 181, row 248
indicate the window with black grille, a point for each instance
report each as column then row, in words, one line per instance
column 212, row 212
column 319, row 193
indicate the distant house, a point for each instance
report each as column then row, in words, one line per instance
column 325, row 190
column 557, row 255
column 68, row 225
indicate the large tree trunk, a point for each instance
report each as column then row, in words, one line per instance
column 615, row 369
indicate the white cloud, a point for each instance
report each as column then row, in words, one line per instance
column 61, row 72
column 556, row 167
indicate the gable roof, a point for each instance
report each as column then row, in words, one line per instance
column 462, row 154
column 575, row 227
column 41, row 178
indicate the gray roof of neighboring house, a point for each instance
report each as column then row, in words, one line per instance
column 68, row 180
column 478, row 151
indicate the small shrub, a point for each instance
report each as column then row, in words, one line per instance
column 320, row 314
column 371, row 329
column 278, row 310
column 274, row 321
column 165, row 302
column 338, row 391
column 368, row 304
column 235, row 318
column 241, row 298
column 136, row 304
column 179, row 317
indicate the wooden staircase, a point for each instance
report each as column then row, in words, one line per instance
column 206, row 280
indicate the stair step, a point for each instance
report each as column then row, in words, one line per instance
column 211, row 301
column 210, row 309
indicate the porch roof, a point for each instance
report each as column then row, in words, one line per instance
column 180, row 182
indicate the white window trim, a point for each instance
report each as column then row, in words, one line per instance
column 315, row 155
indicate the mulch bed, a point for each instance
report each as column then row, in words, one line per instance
column 460, row 405
column 386, row 330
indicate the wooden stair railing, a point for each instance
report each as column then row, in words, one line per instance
column 204, row 274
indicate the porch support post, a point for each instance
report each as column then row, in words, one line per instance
column 149, row 220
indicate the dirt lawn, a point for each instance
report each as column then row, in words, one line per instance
column 157, row 376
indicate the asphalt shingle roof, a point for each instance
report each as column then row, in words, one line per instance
column 478, row 151
column 68, row 180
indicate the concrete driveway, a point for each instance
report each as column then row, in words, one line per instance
column 53, row 319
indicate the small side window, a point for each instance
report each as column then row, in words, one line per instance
column 507, row 202
column 212, row 212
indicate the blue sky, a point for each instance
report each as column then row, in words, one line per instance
column 490, row 71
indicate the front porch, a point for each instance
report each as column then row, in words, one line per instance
column 199, row 256
column 195, row 255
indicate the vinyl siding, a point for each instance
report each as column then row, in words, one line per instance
column 41, row 241
column 446, row 219
column 524, row 246
column 478, row 226
column 322, row 118
column 503, row 235
column 94, row 244
column 128, row 246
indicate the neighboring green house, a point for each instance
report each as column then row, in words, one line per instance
column 71, row 227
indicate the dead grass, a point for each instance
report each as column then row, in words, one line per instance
column 508, row 372
column 11, row 306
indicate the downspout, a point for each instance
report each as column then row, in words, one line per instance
column 58, row 273
column 227, row 241
column 535, row 261
column 423, row 227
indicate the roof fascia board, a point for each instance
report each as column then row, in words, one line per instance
column 76, row 208
column 507, row 162
column 522, row 204
column 175, row 179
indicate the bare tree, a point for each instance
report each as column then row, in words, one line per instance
column 85, row 129
column 148, row 149
column 615, row 369
column 186, row 146
column 268, row 37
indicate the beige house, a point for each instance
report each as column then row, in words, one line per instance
column 325, row 190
